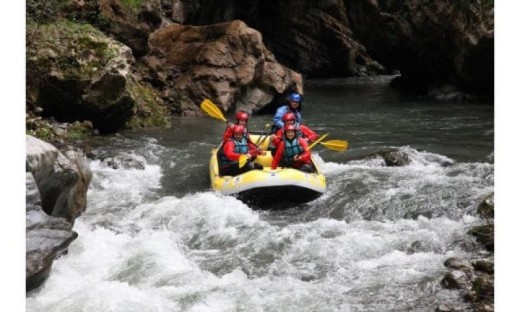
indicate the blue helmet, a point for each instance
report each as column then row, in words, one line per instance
column 295, row 97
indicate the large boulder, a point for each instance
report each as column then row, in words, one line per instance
column 62, row 178
column 56, row 190
column 227, row 63
column 76, row 73
column 47, row 237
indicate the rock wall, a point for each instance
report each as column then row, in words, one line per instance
column 431, row 43
column 132, row 64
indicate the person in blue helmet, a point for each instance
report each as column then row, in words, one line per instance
column 294, row 105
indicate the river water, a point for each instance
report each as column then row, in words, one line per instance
column 154, row 237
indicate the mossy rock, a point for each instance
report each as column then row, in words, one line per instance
column 68, row 50
column 150, row 110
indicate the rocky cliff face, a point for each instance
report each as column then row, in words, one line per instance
column 435, row 45
column 311, row 37
column 430, row 42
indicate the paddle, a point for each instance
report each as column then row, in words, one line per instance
column 211, row 109
column 335, row 145
column 318, row 140
column 242, row 160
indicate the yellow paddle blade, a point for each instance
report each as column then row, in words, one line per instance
column 211, row 109
column 318, row 140
column 242, row 160
column 335, row 145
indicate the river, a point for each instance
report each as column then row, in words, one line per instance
column 154, row 237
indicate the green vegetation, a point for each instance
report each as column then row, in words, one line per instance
column 76, row 50
column 49, row 11
column 132, row 4
column 46, row 131
column 150, row 110
column 43, row 133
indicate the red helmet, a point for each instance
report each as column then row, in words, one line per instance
column 289, row 127
column 288, row 116
column 238, row 129
column 241, row 115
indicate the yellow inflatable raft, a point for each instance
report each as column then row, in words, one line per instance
column 282, row 185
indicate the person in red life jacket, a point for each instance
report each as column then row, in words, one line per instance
column 241, row 118
column 301, row 131
column 293, row 152
column 231, row 151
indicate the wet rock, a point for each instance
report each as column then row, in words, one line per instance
column 486, row 208
column 485, row 266
column 46, row 237
column 458, row 264
column 125, row 162
column 455, row 279
column 484, row 286
column 478, row 284
column 414, row 247
column 395, row 158
column 56, row 188
column 485, row 235
column 62, row 178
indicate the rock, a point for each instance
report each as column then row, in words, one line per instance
column 484, row 286
column 227, row 63
column 56, row 188
column 394, row 158
column 485, row 266
column 414, row 247
column 485, row 235
column 125, row 161
column 486, row 208
column 455, row 279
column 458, row 264
column 87, row 76
column 46, row 237
column 62, row 179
